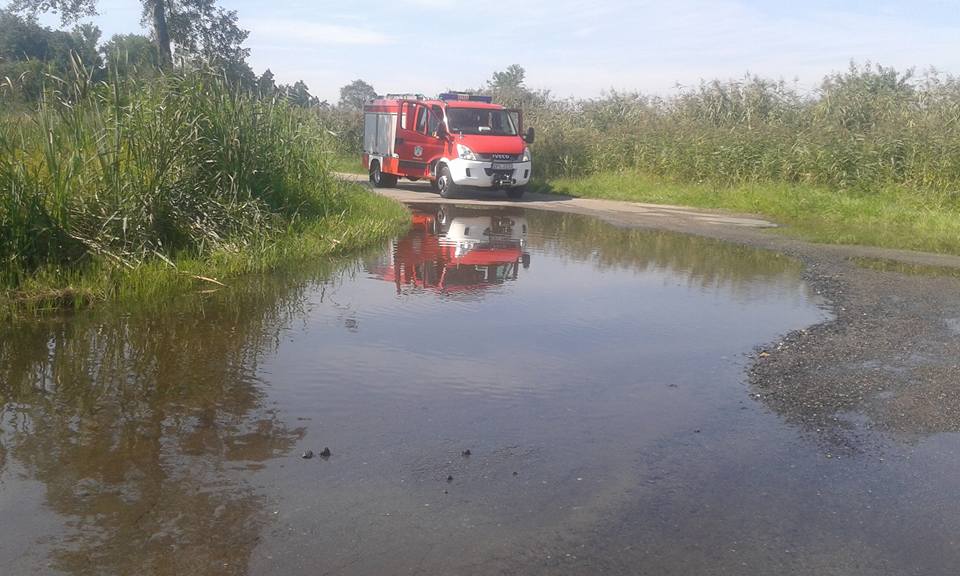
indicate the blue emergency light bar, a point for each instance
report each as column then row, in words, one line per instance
column 466, row 97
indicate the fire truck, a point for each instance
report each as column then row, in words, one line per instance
column 456, row 141
column 456, row 250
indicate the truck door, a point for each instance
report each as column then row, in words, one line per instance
column 420, row 146
column 408, row 139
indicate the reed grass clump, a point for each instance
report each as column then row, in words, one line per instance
column 867, row 128
column 118, row 176
column 871, row 157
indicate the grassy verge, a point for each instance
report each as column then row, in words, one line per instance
column 347, row 164
column 890, row 217
column 369, row 220
column 115, row 191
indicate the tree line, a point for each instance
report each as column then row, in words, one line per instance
column 184, row 35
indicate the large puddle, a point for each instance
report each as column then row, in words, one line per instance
column 596, row 375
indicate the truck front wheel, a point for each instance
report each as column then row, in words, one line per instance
column 445, row 184
column 379, row 179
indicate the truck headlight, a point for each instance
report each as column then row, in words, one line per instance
column 526, row 155
column 466, row 153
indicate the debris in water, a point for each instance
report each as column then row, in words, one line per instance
column 515, row 473
column 450, row 478
column 325, row 453
column 307, row 455
column 466, row 453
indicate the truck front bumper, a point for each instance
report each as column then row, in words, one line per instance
column 482, row 175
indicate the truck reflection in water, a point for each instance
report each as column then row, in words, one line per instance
column 458, row 249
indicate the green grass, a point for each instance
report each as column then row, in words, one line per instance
column 890, row 218
column 347, row 164
column 115, row 190
column 369, row 220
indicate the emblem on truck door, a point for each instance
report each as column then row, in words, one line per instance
column 418, row 151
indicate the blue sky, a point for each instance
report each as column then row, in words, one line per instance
column 579, row 47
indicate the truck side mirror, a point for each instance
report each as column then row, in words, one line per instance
column 530, row 136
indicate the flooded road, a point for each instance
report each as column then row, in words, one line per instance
column 596, row 375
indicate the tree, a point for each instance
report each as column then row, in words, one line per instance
column 507, row 80
column 22, row 38
column 86, row 37
column 156, row 12
column 197, row 28
column 266, row 84
column 299, row 94
column 130, row 54
column 508, row 87
column 202, row 31
column 355, row 94
column 31, row 55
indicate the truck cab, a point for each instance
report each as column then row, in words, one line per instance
column 458, row 141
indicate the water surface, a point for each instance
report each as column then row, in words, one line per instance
column 596, row 374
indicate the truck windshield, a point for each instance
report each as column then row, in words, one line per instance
column 481, row 121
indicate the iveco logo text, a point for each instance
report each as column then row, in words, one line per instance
column 502, row 157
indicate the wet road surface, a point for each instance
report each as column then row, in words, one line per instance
column 607, row 382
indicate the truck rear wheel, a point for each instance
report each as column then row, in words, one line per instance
column 516, row 192
column 379, row 179
column 445, row 184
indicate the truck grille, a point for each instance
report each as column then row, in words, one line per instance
column 500, row 157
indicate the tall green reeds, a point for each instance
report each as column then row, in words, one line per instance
column 178, row 166
column 864, row 130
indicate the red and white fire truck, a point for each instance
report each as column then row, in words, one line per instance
column 457, row 250
column 457, row 141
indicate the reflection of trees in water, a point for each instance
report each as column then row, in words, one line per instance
column 141, row 427
column 705, row 261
